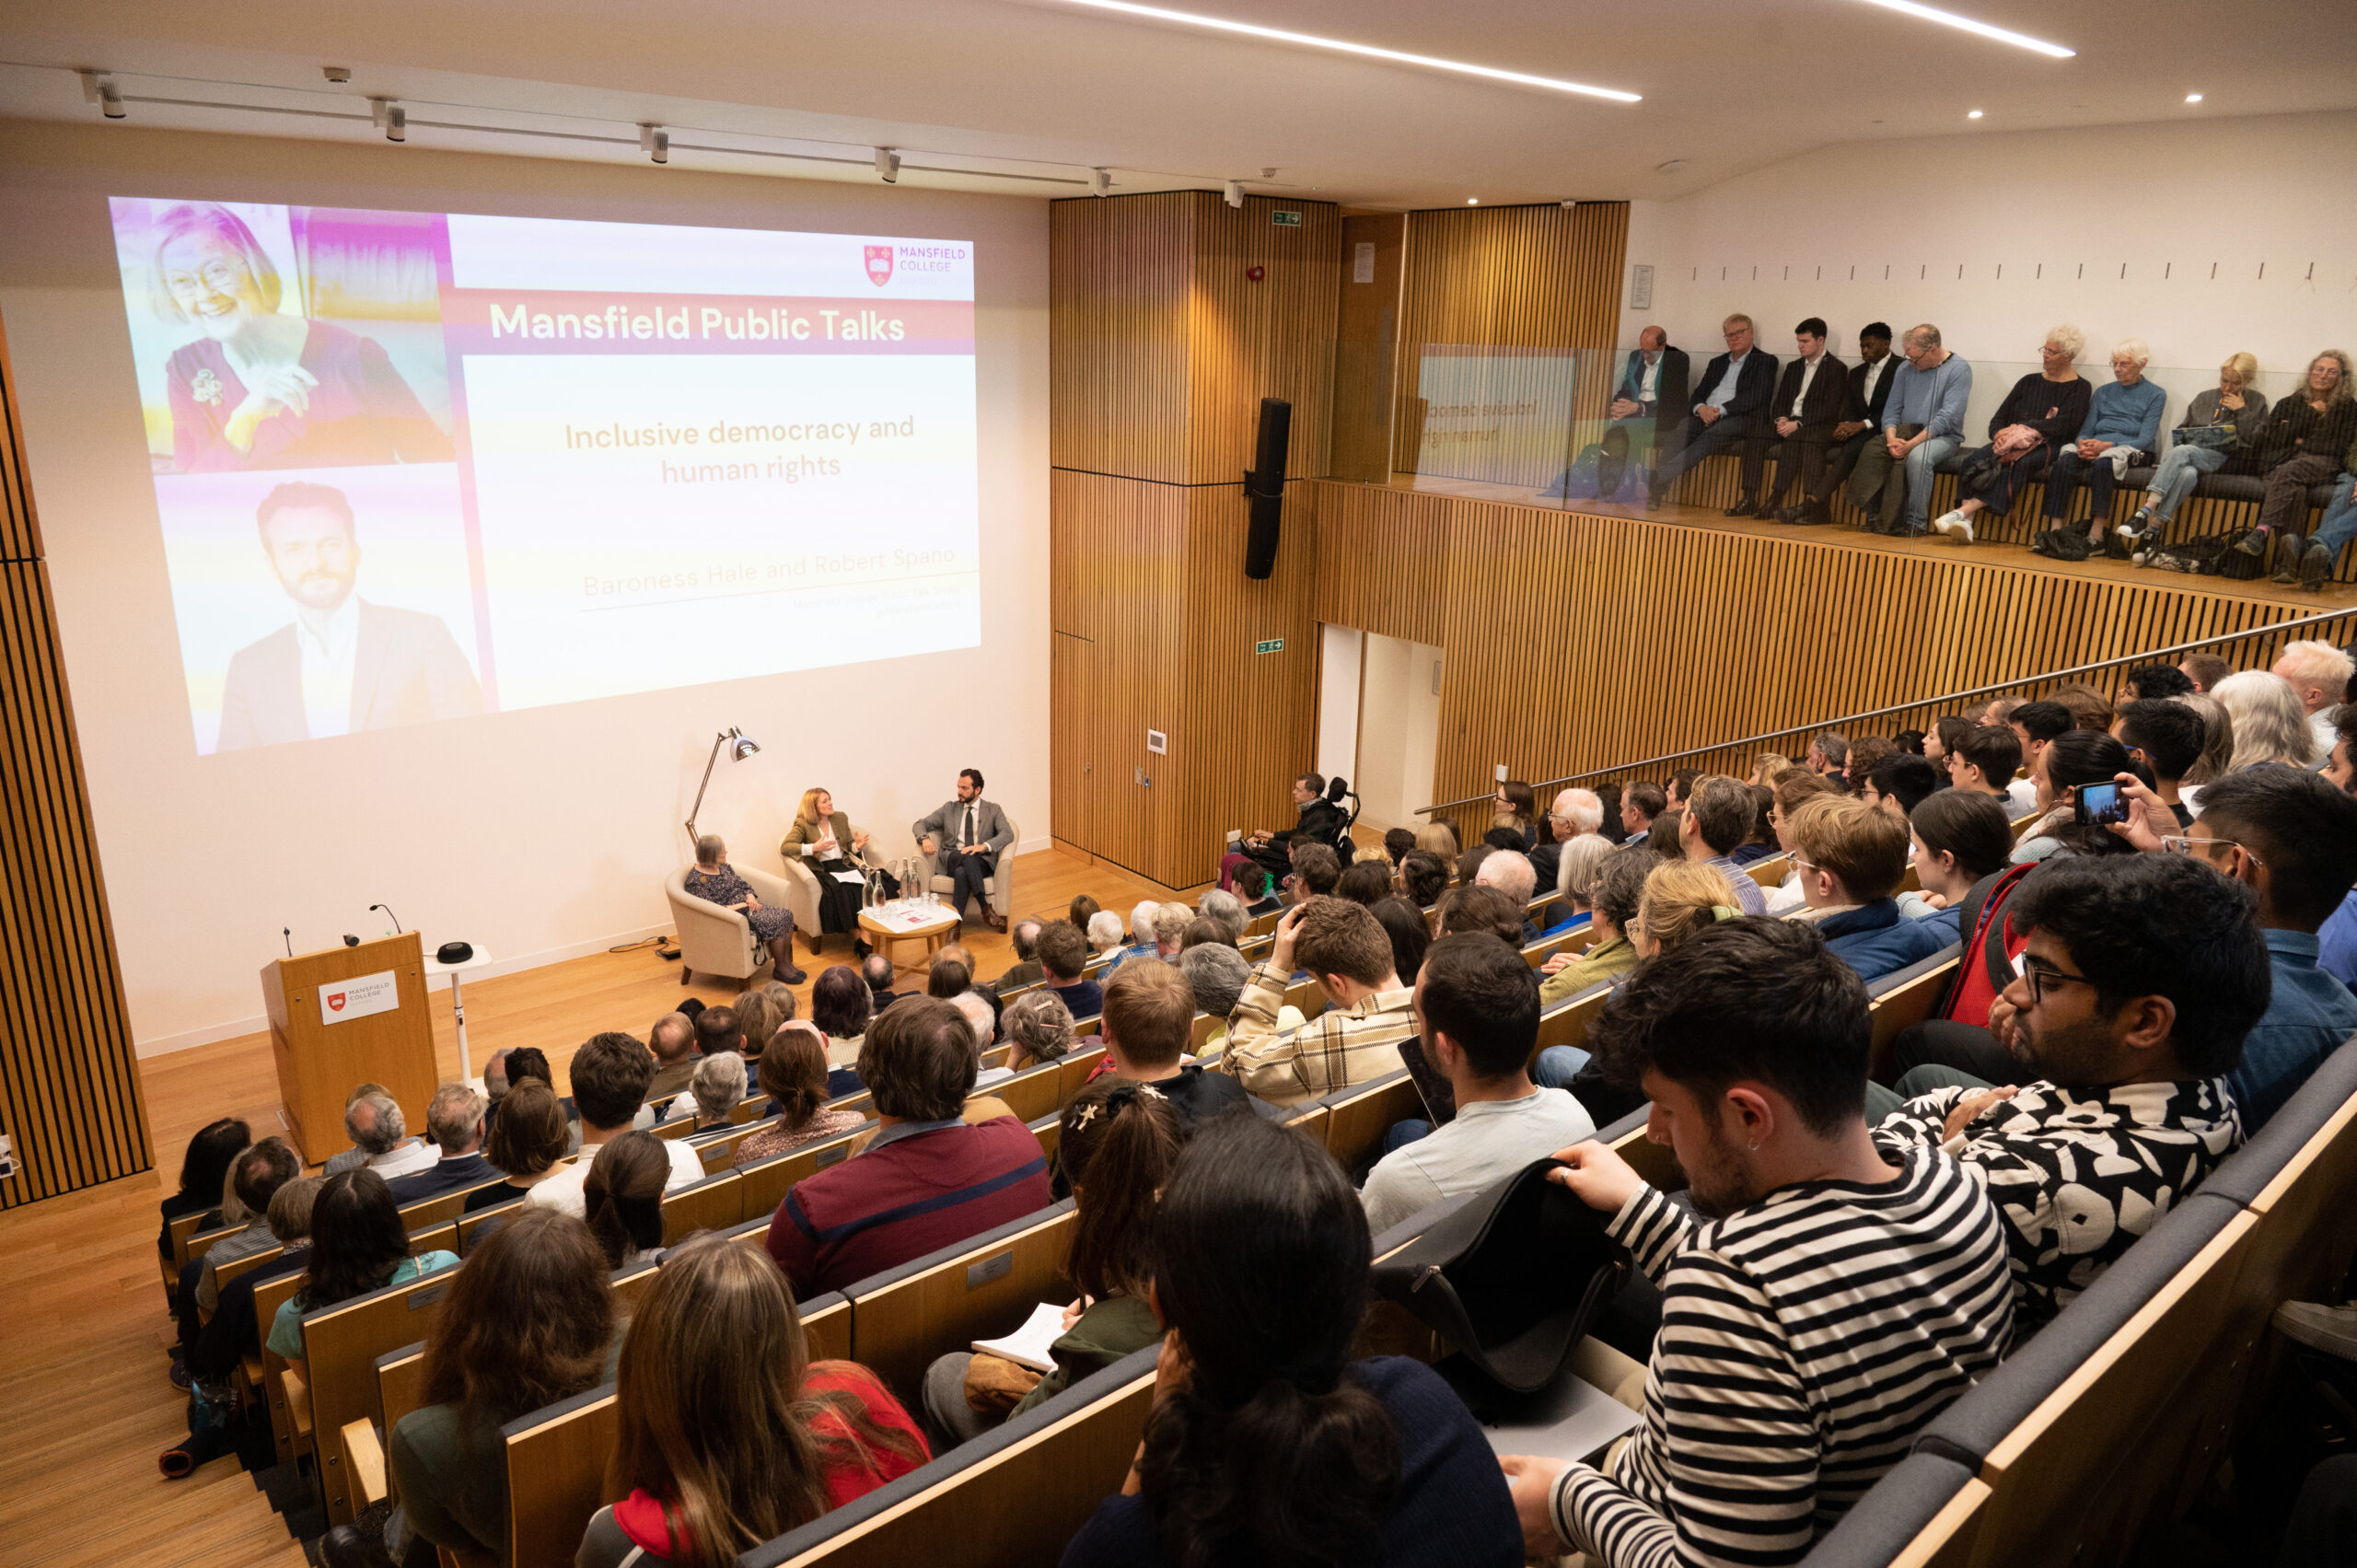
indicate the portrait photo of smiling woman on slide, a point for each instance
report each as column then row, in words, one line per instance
column 265, row 383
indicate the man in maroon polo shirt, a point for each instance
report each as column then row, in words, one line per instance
column 928, row 1179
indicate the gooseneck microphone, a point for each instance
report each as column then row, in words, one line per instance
column 289, row 933
column 388, row 915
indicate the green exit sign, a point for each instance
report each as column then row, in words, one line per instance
column 1283, row 220
column 1269, row 645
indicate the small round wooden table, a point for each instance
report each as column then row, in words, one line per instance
column 902, row 921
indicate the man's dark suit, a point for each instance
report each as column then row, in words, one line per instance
column 406, row 669
column 1669, row 403
column 1843, row 456
column 1803, row 448
column 1744, row 413
column 449, row 1174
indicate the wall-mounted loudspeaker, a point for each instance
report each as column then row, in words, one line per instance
column 1264, row 487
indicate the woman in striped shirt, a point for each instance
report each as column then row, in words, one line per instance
column 1832, row 1304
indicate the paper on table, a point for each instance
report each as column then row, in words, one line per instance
column 1028, row 1346
column 854, row 878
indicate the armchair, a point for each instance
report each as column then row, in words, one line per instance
column 801, row 885
column 1000, row 884
column 716, row 941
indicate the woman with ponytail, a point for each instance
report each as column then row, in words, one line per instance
column 623, row 1199
column 728, row 1434
column 1267, row 1446
column 1117, row 1143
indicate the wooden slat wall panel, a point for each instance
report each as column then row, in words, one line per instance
column 1275, row 338
column 1120, row 271
column 69, row 1090
column 1507, row 278
column 1366, row 348
column 1652, row 637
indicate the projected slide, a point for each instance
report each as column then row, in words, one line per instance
column 416, row 466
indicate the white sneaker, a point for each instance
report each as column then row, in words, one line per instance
column 1955, row 525
column 2131, row 529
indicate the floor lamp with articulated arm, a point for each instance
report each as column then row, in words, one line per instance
column 740, row 746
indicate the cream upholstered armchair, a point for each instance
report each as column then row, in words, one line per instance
column 1000, row 885
column 802, row 893
column 716, row 941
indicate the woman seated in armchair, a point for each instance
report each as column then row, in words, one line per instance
column 716, row 882
column 824, row 840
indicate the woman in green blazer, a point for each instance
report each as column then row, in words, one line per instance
column 823, row 838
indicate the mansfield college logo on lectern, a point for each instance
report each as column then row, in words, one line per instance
column 335, row 1001
column 879, row 264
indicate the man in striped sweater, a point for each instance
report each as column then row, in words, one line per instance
column 1833, row 1303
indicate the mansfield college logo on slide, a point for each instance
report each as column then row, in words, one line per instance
column 879, row 264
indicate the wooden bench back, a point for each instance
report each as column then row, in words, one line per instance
column 556, row 1477
column 714, row 1204
column 985, row 1291
column 237, row 1267
column 766, row 1182
column 197, row 1243
column 1356, row 1123
column 435, row 1211
column 341, row 1345
column 1073, row 1069
column 1900, row 1009
column 1033, row 1092
column 471, row 1227
column 268, row 1296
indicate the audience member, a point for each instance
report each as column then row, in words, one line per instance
column 1364, row 882
column 1662, row 837
column 1761, row 843
column 1083, row 909
column 1576, row 813
column 1516, row 809
column 1257, row 889
column 1650, row 398
column 1149, row 1014
column 1961, row 840
column 677, row 1040
column 841, row 1007
column 2088, row 708
column 1410, row 936
column 2291, row 838
column 1615, row 898
column 2071, row 760
column 358, row 1245
column 1752, row 1043
column 1105, row 934
column 610, row 1073
column 1985, row 761
column 713, row 1093
column 977, row 1011
column 1316, row 870
column 1800, row 422
column 727, row 1434
column 255, row 1175
column 2270, row 723
column 879, row 973
column 1865, row 753
column 1024, row 936
column 2317, row 674
column 1945, row 735
column 1865, row 394
column 1367, row 1009
column 946, row 977
column 928, row 1178
column 2217, row 746
column 1639, row 803
column 378, row 1131
column 1479, row 907
column 1225, row 907
column 2167, row 738
column 1511, row 872
column 1828, row 753
column 1900, row 782
column 2307, row 442
column 1397, row 842
column 1423, row 878
column 1438, row 836
column 1851, row 858
column 1923, row 424
column 2220, row 423
column 454, row 1118
column 1477, row 1017
column 528, row 1144
column 1266, row 1443
column 1063, row 954
column 1731, row 405
column 234, row 1331
column 1038, row 1027
column 1202, row 929
column 1794, row 788
column 2122, row 426
column 2154, row 682
column 1718, row 817
column 623, row 1200
column 1317, row 822
column 2140, row 976
column 1576, row 870
column 2035, row 723
column 794, row 1074
column 1117, row 1143
column 2038, row 419
column 527, row 1322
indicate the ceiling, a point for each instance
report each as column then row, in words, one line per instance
column 1027, row 96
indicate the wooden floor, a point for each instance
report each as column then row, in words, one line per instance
column 2335, row 596
column 85, row 1404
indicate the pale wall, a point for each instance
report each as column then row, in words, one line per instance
column 538, row 834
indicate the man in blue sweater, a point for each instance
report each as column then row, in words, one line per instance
column 2123, row 417
column 1923, row 424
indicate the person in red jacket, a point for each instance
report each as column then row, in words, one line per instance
column 928, row 1178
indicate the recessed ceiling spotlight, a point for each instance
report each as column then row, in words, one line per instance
column 1950, row 19
column 2193, row 98
column 1472, row 201
column 1367, row 51
column 1972, row 114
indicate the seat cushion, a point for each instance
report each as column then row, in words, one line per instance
column 1890, row 1516
column 2231, row 487
column 2245, row 1173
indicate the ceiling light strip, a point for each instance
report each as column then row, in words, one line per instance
column 1950, row 19
column 1366, row 50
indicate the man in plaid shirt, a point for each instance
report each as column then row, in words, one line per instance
column 1368, row 1010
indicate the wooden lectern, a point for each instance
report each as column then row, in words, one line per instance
column 349, row 1015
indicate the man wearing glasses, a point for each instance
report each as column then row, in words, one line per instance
column 2143, row 975
column 1730, row 405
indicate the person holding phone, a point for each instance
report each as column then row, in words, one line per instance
column 2072, row 760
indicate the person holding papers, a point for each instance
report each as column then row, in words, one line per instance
column 823, row 838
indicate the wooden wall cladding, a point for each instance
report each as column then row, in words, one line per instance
column 1579, row 642
column 69, row 1088
column 1506, row 279
column 1366, row 346
column 1162, row 343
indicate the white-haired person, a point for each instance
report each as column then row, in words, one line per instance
column 2270, row 725
column 1225, row 907
column 1105, row 934
column 1141, row 918
column 1575, row 811
column 715, row 881
column 2318, row 675
column 2220, row 423
column 1576, row 870
column 2122, row 427
column 2038, row 418
column 712, row 1093
column 1512, row 875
